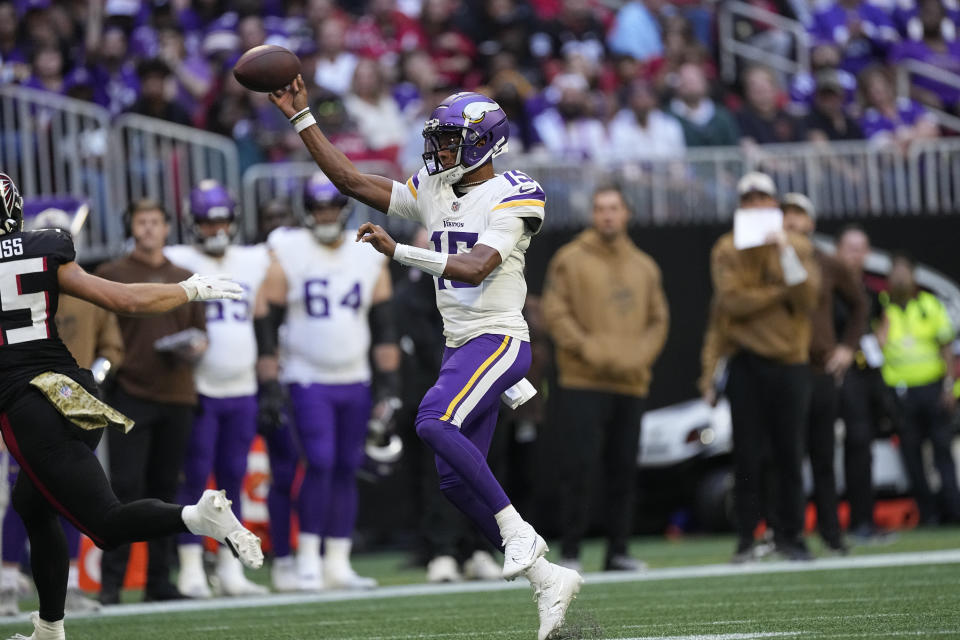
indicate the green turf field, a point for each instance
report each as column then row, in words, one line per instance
column 914, row 600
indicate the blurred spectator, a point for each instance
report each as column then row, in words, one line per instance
column 232, row 115
column 917, row 336
column 680, row 46
column 764, row 296
column 831, row 355
column 512, row 90
column 862, row 30
column 635, row 32
column 116, row 77
column 47, row 67
column 251, row 31
column 642, row 131
column 505, row 26
column 453, row 52
column 705, row 123
column 192, row 73
column 889, row 120
column 335, row 65
column 568, row 129
column 274, row 214
column 374, row 110
column 13, row 56
column 606, row 311
column 934, row 49
column 906, row 17
column 340, row 129
column 577, row 23
column 828, row 120
column 761, row 119
column 153, row 101
column 823, row 58
column 761, row 34
column 383, row 33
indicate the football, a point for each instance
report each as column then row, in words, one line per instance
column 266, row 68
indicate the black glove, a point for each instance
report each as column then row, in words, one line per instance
column 272, row 407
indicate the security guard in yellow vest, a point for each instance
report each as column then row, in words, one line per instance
column 916, row 335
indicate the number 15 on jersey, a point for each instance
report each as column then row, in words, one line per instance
column 453, row 242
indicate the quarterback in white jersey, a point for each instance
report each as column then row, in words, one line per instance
column 480, row 224
column 226, row 420
column 335, row 295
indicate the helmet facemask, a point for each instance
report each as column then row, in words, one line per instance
column 11, row 206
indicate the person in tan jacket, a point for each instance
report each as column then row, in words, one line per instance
column 605, row 309
column 765, row 296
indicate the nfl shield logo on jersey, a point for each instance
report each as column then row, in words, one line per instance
column 455, row 206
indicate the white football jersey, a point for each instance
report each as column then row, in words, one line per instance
column 326, row 337
column 456, row 224
column 228, row 368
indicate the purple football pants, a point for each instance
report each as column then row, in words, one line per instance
column 457, row 418
column 223, row 432
column 283, row 454
column 331, row 427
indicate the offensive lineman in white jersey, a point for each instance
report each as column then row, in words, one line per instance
column 334, row 296
column 226, row 420
column 480, row 225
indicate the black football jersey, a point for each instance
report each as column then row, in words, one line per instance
column 29, row 293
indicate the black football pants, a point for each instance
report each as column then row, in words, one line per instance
column 60, row 474
column 821, row 443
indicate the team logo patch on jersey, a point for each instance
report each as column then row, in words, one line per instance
column 455, row 206
column 65, row 391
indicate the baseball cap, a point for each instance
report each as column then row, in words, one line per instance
column 756, row 182
column 801, row 202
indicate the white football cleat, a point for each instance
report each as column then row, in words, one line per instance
column 283, row 574
column 78, row 602
column 230, row 580
column 215, row 520
column 9, row 602
column 481, row 566
column 521, row 550
column 347, row 578
column 553, row 597
column 42, row 630
column 445, row 569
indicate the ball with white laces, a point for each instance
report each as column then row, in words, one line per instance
column 216, row 287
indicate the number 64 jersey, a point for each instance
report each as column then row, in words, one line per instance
column 504, row 213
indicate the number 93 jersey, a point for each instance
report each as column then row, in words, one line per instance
column 326, row 337
column 228, row 368
column 503, row 212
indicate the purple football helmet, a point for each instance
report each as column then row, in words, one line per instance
column 11, row 206
column 320, row 193
column 211, row 202
column 472, row 125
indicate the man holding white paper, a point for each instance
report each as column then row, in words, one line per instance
column 766, row 283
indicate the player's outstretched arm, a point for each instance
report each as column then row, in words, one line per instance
column 369, row 189
column 472, row 267
column 143, row 298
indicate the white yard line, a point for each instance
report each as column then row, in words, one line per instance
column 725, row 636
column 705, row 571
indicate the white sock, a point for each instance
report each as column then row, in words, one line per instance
column 9, row 578
column 48, row 629
column 191, row 557
column 539, row 571
column 336, row 553
column 73, row 577
column 509, row 521
column 308, row 545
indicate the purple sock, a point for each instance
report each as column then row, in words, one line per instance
column 283, row 469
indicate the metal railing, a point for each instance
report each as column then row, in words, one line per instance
column 164, row 161
column 732, row 48
column 907, row 69
column 53, row 145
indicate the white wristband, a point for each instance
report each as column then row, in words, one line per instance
column 302, row 119
column 432, row 262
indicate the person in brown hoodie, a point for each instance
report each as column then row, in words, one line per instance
column 605, row 309
column 830, row 357
column 765, row 295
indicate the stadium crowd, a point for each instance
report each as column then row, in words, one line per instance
column 578, row 78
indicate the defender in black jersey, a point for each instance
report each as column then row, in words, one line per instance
column 51, row 418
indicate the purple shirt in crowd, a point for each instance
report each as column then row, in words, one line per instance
column 948, row 61
column 876, row 125
column 830, row 25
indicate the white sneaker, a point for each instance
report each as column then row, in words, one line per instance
column 521, row 550
column 309, row 572
column 213, row 518
column 230, row 580
column 283, row 574
column 346, row 578
column 193, row 583
column 78, row 602
column 445, row 569
column 481, row 566
column 42, row 630
column 9, row 602
column 553, row 597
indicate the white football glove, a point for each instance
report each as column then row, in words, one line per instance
column 218, row 287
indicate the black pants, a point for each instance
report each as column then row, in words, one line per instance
column 821, row 442
column 146, row 463
column 768, row 406
column 923, row 416
column 60, row 473
column 862, row 398
column 598, row 431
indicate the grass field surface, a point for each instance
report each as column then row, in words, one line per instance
column 908, row 589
